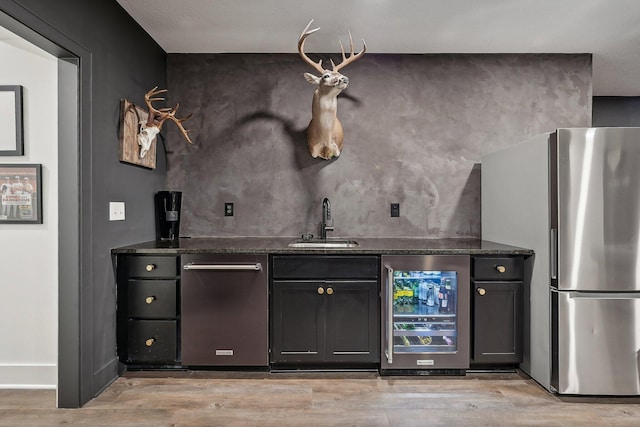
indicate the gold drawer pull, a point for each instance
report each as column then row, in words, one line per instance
column 501, row 268
column 149, row 299
column 149, row 342
column 150, row 267
column 329, row 291
column 320, row 290
column 482, row 291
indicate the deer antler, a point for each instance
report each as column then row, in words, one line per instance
column 158, row 116
column 306, row 33
column 352, row 56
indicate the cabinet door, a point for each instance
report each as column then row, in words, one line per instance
column 297, row 322
column 497, row 322
column 352, row 332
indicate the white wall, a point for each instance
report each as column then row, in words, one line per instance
column 29, row 252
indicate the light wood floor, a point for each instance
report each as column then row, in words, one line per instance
column 318, row 399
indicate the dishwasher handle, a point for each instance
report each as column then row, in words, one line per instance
column 223, row 267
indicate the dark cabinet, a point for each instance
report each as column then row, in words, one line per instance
column 349, row 316
column 148, row 310
column 325, row 310
column 497, row 306
column 297, row 322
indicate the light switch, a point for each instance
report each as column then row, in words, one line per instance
column 116, row 211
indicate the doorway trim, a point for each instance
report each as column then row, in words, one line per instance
column 74, row 386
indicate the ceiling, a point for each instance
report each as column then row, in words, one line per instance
column 609, row 29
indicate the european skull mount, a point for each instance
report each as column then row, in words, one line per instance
column 324, row 134
column 151, row 127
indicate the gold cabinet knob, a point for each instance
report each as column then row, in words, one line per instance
column 320, row 290
column 482, row 291
column 501, row 268
column 149, row 299
column 149, row 342
column 150, row 267
column 329, row 291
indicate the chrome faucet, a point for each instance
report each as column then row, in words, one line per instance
column 327, row 221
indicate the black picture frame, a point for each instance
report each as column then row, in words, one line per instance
column 11, row 123
column 20, row 193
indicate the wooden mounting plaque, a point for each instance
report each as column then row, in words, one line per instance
column 129, row 151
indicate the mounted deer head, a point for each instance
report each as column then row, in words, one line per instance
column 324, row 134
column 150, row 128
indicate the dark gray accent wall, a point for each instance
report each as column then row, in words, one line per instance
column 117, row 59
column 415, row 127
column 616, row 111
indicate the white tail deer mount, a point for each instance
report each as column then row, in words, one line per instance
column 150, row 128
column 324, row 134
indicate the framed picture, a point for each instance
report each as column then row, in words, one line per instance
column 11, row 131
column 20, row 194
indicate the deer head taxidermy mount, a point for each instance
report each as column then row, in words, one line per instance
column 151, row 127
column 324, row 134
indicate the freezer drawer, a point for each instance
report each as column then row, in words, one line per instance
column 596, row 343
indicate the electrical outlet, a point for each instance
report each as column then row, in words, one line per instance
column 116, row 211
column 395, row 209
column 228, row 209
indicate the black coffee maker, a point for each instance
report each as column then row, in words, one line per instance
column 168, row 215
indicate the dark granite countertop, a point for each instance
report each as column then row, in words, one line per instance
column 279, row 245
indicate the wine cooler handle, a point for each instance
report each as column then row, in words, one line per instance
column 389, row 349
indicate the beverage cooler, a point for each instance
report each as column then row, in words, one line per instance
column 425, row 314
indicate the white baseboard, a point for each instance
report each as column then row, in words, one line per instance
column 24, row 376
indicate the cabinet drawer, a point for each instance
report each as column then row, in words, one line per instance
column 325, row 267
column 498, row 268
column 152, row 298
column 152, row 266
column 153, row 341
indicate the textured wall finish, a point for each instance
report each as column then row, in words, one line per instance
column 415, row 129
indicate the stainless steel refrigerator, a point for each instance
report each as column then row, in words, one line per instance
column 573, row 196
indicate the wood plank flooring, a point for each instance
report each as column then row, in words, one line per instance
column 210, row 398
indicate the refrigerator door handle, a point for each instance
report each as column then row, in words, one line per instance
column 553, row 253
column 389, row 314
column 604, row 295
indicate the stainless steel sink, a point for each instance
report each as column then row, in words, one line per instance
column 329, row 243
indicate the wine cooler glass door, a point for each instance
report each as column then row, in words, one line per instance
column 424, row 311
column 427, row 312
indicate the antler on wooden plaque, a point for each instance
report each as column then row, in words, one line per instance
column 139, row 128
column 150, row 128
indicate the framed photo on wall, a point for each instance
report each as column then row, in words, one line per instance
column 20, row 194
column 11, row 127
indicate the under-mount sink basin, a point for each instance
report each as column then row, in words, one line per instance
column 329, row 243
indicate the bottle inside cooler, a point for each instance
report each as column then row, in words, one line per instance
column 424, row 311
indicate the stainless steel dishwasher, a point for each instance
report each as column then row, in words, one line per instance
column 225, row 310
